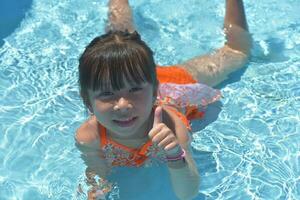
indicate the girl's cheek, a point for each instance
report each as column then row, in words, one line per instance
column 102, row 106
column 144, row 100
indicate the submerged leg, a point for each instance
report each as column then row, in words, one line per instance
column 119, row 16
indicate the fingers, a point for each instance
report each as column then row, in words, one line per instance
column 157, row 116
column 95, row 194
column 92, row 195
column 155, row 130
column 162, row 136
column 165, row 140
column 157, row 122
column 171, row 146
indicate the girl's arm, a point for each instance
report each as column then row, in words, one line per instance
column 171, row 134
column 91, row 155
column 183, row 173
column 96, row 167
column 214, row 68
column 185, row 177
column 119, row 16
column 88, row 143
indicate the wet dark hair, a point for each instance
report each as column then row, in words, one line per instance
column 113, row 58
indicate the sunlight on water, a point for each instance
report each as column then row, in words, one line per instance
column 248, row 145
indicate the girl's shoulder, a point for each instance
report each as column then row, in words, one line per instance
column 88, row 134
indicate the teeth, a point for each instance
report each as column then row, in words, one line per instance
column 125, row 120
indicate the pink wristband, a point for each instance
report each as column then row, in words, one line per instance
column 181, row 156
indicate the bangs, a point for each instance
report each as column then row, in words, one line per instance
column 121, row 65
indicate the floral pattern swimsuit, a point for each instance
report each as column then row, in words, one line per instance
column 178, row 89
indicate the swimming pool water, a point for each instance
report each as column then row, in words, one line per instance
column 11, row 13
column 246, row 148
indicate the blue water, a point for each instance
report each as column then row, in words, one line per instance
column 246, row 148
column 11, row 13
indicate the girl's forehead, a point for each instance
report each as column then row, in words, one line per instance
column 126, row 84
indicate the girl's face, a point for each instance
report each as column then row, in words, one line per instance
column 126, row 112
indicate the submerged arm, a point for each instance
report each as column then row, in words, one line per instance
column 119, row 16
column 88, row 143
column 183, row 173
column 92, row 158
column 184, row 177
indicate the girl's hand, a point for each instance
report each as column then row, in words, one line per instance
column 95, row 194
column 163, row 136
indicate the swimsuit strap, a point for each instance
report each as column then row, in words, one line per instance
column 102, row 134
column 139, row 155
column 105, row 140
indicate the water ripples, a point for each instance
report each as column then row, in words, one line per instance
column 251, row 151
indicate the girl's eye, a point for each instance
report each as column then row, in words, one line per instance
column 135, row 89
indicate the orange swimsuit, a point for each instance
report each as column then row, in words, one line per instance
column 121, row 155
column 177, row 75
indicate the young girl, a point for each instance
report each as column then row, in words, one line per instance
column 140, row 111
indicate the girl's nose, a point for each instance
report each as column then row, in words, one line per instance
column 122, row 104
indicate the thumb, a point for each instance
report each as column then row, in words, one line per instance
column 157, row 116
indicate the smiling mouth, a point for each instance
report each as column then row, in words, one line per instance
column 125, row 122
